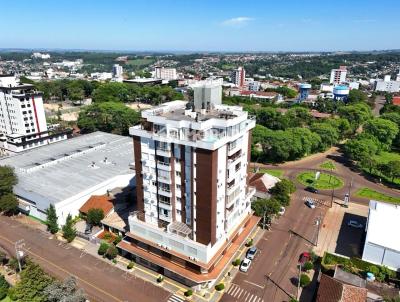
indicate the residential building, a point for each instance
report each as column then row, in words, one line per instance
column 332, row 289
column 262, row 182
column 338, row 76
column 66, row 174
column 22, row 118
column 38, row 55
column 165, row 73
column 382, row 243
column 396, row 100
column 117, row 71
column 387, row 85
column 398, row 77
column 206, row 93
column 238, row 77
column 193, row 199
column 252, row 85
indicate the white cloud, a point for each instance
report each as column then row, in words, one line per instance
column 237, row 22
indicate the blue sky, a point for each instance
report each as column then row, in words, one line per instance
column 201, row 25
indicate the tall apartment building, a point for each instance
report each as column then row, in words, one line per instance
column 165, row 73
column 338, row 76
column 22, row 118
column 193, row 199
column 117, row 71
column 238, row 77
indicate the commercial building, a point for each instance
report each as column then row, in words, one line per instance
column 338, row 76
column 68, row 173
column 382, row 243
column 22, row 118
column 238, row 77
column 193, row 199
column 387, row 85
column 163, row 73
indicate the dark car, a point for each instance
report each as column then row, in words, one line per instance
column 304, row 257
column 311, row 189
column 251, row 253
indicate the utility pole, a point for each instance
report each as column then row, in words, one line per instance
column 19, row 252
column 298, row 283
column 318, row 224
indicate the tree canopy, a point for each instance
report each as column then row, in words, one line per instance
column 112, row 117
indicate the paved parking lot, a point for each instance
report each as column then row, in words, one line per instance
column 336, row 236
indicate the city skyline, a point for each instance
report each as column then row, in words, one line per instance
column 206, row 26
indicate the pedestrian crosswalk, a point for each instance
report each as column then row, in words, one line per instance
column 317, row 201
column 241, row 294
column 175, row 298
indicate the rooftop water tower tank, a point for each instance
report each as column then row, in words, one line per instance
column 341, row 93
column 304, row 89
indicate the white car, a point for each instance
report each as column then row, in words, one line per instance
column 355, row 224
column 282, row 211
column 244, row 266
column 310, row 204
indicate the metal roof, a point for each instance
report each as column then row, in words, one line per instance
column 58, row 171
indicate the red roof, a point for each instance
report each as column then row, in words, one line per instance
column 396, row 100
column 98, row 202
column 333, row 290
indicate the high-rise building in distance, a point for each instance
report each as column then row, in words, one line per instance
column 117, row 71
column 338, row 76
column 238, row 77
column 22, row 118
column 163, row 73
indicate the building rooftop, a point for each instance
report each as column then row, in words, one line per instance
column 55, row 172
column 383, row 224
column 103, row 202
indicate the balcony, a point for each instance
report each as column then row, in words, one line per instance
column 163, row 166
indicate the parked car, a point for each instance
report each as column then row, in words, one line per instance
column 245, row 265
column 251, row 253
column 282, row 211
column 355, row 224
column 304, row 257
column 310, row 204
column 311, row 189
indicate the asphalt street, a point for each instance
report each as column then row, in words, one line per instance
column 101, row 281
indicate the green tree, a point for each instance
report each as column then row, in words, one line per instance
column 69, row 231
column 8, row 203
column 384, row 130
column 8, row 179
column 95, row 216
column 356, row 114
column 283, row 187
column 329, row 134
column 360, row 148
column 304, row 280
column 108, row 117
column 66, row 291
column 32, row 284
column 265, row 208
column 103, row 248
column 4, row 286
column 52, row 219
column 391, row 169
column 356, row 96
column 112, row 252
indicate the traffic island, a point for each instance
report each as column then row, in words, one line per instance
column 321, row 181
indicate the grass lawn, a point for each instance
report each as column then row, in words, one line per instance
column 325, row 181
column 372, row 194
column 328, row 165
column 273, row 172
column 385, row 157
column 6, row 299
column 140, row 62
